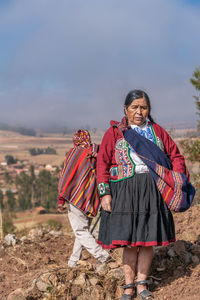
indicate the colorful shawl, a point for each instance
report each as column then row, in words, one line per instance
column 77, row 183
column 175, row 188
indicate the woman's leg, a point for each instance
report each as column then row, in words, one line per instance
column 145, row 257
column 129, row 262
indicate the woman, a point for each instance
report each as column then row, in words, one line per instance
column 77, row 186
column 137, row 162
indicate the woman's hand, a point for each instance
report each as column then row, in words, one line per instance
column 61, row 208
column 106, row 202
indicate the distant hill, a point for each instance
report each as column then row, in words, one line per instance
column 21, row 130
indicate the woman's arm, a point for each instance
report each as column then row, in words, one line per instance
column 104, row 162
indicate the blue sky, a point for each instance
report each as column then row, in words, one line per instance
column 72, row 62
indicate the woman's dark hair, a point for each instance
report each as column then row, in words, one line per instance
column 137, row 94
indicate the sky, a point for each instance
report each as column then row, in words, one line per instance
column 71, row 63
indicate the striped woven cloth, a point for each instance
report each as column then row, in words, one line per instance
column 77, row 183
column 175, row 187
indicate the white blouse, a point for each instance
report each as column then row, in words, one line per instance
column 144, row 130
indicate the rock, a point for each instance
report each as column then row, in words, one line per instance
column 35, row 232
column 160, row 250
column 117, row 273
column 161, row 269
column 187, row 257
column 80, row 279
column 23, row 238
column 195, row 260
column 17, row 295
column 76, row 290
column 49, row 278
column 41, row 285
column 195, row 249
column 171, row 253
column 55, row 233
column 179, row 246
column 97, row 293
column 70, row 275
column 101, row 268
column 83, row 263
column 10, row 239
column 93, row 281
column 113, row 265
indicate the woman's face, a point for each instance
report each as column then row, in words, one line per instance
column 137, row 112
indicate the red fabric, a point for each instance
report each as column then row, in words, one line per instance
column 117, row 244
column 106, row 155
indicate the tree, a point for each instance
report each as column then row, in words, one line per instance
column 7, row 177
column 24, row 185
column 11, row 200
column 10, row 159
column 46, row 189
column 1, row 200
column 195, row 81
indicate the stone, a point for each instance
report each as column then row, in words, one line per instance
column 195, row 260
column 49, row 278
column 171, row 253
column 179, row 246
column 93, row 281
column 76, row 290
column 117, row 273
column 161, row 269
column 80, row 279
column 113, row 265
column 35, row 232
column 41, row 285
column 97, row 293
column 195, row 249
column 10, row 239
column 23, row 238
column 82, row 263
column 55, row 233
column 187, row 257
column 101, row 268
column 17, row 295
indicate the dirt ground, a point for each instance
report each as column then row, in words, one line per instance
column 27, row 260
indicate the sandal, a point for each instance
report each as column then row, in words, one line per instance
column 127, row 296
column 145, row 294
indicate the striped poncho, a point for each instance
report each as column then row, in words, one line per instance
column 77, row 183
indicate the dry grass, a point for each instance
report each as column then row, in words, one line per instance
column 18, row 146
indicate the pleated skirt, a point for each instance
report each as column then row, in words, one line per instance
column 139, row 215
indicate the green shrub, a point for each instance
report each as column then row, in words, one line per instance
column 191, row 149
column 53, row 224
column 8, row 226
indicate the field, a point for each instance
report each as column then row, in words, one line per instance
column 17, row 145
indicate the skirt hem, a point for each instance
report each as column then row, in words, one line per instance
column 117, row 244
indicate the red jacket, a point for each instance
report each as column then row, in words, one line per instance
column 107, row 156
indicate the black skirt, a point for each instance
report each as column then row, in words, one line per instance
column 139, row 215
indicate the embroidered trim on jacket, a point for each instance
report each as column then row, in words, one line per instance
column 126, row 166
column 104, row 189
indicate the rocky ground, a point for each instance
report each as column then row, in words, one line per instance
column 35, row 267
